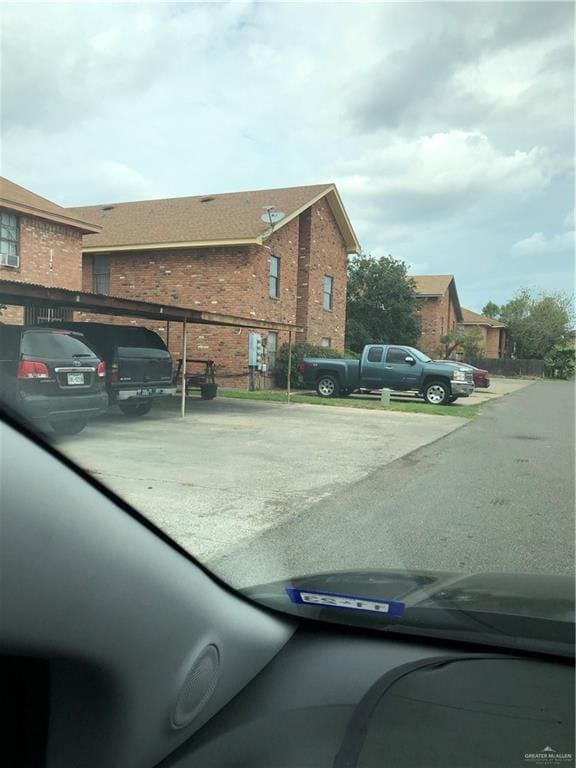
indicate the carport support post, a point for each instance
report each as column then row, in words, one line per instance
column 289, row 363
column 183, row 400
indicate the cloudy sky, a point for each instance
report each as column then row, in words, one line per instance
column 448, row 127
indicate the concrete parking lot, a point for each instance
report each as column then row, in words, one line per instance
column 233, row 468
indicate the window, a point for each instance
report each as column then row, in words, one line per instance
column 53, row 344
column 325, row 342
column 328, row 291
column 397, row 355
column 272, row 348
column 101, row 274
column 441, row 326
column 274, row 278
column 36, row 315
column 375, row 355
column 8, row 239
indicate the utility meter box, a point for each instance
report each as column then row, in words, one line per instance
column 255, row 350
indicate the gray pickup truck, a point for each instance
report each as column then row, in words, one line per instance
column 395, row 367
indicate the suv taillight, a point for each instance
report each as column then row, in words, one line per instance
column 101, row 370
column 32, row 369
column 301, row 367
column 113, row 375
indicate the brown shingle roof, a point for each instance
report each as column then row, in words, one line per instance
column 17, row 198
column 473, row 318
column 429, row 286
column 432, row 285
column 205, row 219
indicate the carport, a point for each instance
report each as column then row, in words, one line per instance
column 27, row 294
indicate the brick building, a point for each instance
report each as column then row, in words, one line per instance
column 274, row 255
column 40, row 243
column 493, row 332
column 440, row 309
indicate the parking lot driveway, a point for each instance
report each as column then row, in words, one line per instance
column 232, row 468
column 499, row 386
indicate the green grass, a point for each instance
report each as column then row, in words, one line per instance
column 370, row 403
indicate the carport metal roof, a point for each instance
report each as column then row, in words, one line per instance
column 26, row 294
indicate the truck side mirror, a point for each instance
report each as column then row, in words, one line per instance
column 410, row 360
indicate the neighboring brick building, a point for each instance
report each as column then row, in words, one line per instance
column 440, row 309
column 41, row 243
column 216, row 253
column 493, row 332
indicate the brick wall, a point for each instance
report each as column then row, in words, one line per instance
column 430, row 336
column 490, row 339
column 438, row 318
column 323, row 254
column 232, row 281
column 235, row 281
column 50, row 254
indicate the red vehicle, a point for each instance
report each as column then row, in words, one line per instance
column 481, row 377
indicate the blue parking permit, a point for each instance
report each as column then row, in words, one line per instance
column 349, row 602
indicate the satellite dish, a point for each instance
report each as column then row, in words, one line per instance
column 270, row 216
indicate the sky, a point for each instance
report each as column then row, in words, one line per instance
column 448, row 128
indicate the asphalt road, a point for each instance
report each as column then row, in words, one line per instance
column 497, row 495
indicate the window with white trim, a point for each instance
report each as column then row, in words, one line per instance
column 325, row 342
column 272, row 349
column 328, row 291
column 101, row 274
column 9, row 232
column 274, row 278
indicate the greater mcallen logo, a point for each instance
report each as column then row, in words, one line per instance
column 548, row 756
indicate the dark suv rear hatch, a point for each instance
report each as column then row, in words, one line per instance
column 54, row 362
column 142, row 358
column 137, row 361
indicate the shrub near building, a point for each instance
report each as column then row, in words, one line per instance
column 299, row 352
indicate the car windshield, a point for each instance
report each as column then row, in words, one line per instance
column 256, row 230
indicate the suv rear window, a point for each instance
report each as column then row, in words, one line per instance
column 137, row 337
column 53, row 344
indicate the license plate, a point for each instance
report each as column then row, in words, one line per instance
column 146, row 392
column 75, row 378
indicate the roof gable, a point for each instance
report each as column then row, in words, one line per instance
column 435, row 286
column 206, row 220
column 473, row 318
column 17, row 198
column 432, row 285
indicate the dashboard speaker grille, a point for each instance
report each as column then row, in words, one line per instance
column 198, row 687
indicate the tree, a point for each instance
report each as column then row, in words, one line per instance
column 536, row 322
column 560, row 362
column 491, row 310
column 382, row 305
column 470, row 344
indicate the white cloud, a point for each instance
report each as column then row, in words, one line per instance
column 448, row 126
column 439, row 175
column 540, row 244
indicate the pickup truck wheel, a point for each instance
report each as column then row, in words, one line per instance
column 135, row 409
column 328, row 386
column 437, row 393
column 452, row 398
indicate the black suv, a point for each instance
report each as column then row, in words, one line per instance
column 138, row 364
column 51, row 376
